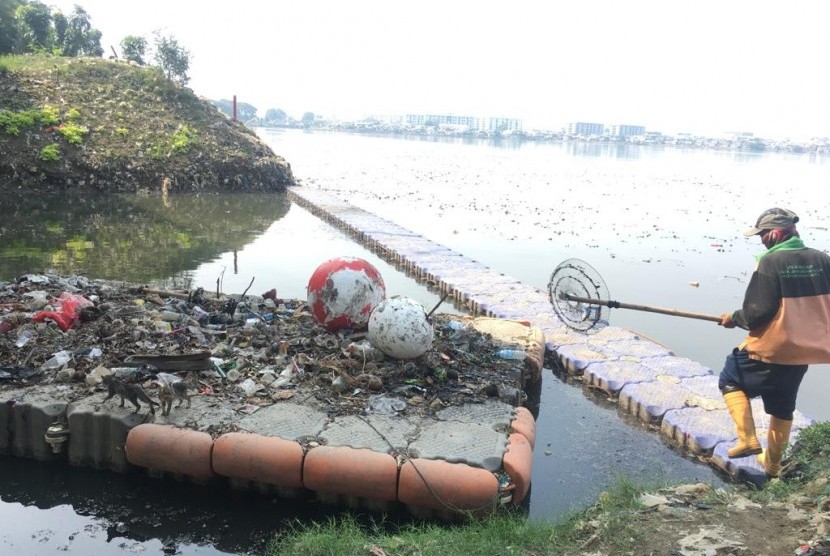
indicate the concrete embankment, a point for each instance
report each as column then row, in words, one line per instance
column 674, row 395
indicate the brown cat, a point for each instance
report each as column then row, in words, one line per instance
column 171, row 391
column 132, row 392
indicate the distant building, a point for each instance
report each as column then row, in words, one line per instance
column 471, row 123
column 504, row 124
column 585, row 128
column 626, row 131
column 740, row 134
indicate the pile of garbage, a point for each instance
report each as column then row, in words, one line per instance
column 247, row 351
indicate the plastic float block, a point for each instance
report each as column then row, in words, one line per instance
column 380, row 433
column 447, row 487
column 162, row 448
column 349, row 472
column 525, row 424
column 454, row 441
column 612, row 376
column 748, row 468
column 28, row 424
column 496, row 413
column 518, row 464
column 576, row 357
column 97, row 438
column 649, row 401
column 611, row 334
column 677, row 366
column 557, row 335
column 263, row 459
column 287, row 420
column 698, row 430
column 638, row 349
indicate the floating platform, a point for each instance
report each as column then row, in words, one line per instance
column 461, row 460
column 676, row 396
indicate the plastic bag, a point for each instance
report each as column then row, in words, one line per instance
column 66, row 314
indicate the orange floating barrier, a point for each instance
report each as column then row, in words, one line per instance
column 351, row 472
column 525, row 424
column 518, row 464
column 264, row 459
column 444, row 486
column 170, row 449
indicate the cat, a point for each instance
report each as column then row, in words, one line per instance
column 172, row 387
column 132, row 392
column 168, row 392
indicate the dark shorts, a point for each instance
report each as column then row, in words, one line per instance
column 776, row 384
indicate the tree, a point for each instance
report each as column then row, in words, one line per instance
column 9, row 28
column 60, row 24
column 35, row 26
column 80, row 38
column 275, row 115
column 172, row 58
column 134, row 48
column 308, row 119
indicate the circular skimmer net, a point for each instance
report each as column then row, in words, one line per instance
column 573, row 285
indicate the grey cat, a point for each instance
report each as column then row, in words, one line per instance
column 172, row 387
column 132, row 392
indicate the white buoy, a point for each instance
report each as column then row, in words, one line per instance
column 399, row 328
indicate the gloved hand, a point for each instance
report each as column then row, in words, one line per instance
column 726, row 321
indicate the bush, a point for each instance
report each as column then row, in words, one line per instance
column 50, row 153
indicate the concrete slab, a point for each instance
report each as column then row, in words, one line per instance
column 380, row 433
column 476, row 444
column 286, row 420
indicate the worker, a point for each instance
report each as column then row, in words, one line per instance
column 786, row 309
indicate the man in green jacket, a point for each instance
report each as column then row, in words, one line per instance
column 787, row 312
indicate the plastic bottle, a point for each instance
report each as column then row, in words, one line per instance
column 517, row 354
column 455, row 325
column 23, row 339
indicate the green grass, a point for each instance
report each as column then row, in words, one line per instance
column 608, row 522
column 808, row 461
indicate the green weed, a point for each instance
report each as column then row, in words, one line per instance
column 73, row 132
column 50, row 153
column 182, row 139
column 12, row 122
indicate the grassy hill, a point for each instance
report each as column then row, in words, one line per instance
column 89, row 122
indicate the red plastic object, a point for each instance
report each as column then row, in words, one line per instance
column 64, row 321
column 67, row 315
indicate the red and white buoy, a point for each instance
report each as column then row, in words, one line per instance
column 343, row 292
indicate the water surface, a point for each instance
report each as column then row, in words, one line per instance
column 650, row 221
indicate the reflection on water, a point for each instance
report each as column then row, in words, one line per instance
column 137, row 238
column 84, row 511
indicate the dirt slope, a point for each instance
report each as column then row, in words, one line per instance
column 90, row 122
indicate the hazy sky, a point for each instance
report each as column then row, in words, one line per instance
column 703, row 66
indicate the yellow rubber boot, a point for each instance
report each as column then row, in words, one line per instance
column 777, row 438
column 741, row 411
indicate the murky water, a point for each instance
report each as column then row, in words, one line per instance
column 650, row 221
